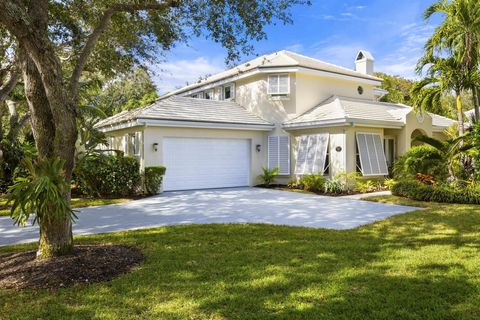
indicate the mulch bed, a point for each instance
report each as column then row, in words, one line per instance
column 88, row 264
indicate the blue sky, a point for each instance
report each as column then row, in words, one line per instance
column 333, row 31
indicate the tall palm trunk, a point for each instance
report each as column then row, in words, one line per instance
column 461, row 125
column 476, row 104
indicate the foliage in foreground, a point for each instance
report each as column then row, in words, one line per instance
column 420, row 265
column 41, row 192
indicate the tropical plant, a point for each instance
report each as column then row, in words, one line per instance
column 389, row 183
column 458, row 35
column 269, row 176
column 42, row 193
column 348, row 180
column 450, row 150
column 334, row 186
column 313, row 182
column 420, row 159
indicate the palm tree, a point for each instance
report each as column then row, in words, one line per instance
column 459, row 35
column 443, row 75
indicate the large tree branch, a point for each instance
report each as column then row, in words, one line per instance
column 8, row 87
column 100, row 29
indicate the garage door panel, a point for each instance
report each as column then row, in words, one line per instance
column 205, row 163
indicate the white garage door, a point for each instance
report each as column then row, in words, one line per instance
column 205, row 163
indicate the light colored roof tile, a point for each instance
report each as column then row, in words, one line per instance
column 189, row 109
column 440, row 121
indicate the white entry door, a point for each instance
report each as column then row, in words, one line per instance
column 205, row 163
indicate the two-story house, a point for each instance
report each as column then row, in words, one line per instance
column 282, row 110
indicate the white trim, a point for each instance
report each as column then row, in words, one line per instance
column 207, row 125
column 259, row 70
column 232, row 91
column 343, row 122
column 278, row 76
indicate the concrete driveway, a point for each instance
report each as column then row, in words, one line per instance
column 242, row 205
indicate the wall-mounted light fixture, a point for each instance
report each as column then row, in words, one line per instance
column 155, row 147
column 258, row 148
column 338, row 149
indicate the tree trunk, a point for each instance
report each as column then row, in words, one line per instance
column 476, row 104
column 55, row 236
column 461, row 126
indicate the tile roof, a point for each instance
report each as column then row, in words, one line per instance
column 188, row 109
column 440, row 121
column 278, row 59
column 342, row 109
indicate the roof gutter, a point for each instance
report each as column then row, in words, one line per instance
column 344, row 122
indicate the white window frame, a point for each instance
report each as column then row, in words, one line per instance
column 278, row 93
column 359, row 154
column 211, row 93
column 198, row 95
column 232, row 91
column 269, row 155
column 137, row 144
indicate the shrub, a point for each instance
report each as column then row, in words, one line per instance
column 348, row 180
column 152, row 179
column 389, row 183
column 437, row 193
column 365, row 186
column 420, row 159
column 425, row 179
column 108, row 175
column 269, row 176
column 334, row 186
column 313, row 182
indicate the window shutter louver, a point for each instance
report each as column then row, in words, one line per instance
column 272, row 84
column 279, row 154
column 372, row 155
column 312, row 154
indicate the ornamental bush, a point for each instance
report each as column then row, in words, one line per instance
column 421, row 159
column 152, row 179
column 313, row 182
column 436, row 193
column 108, row 176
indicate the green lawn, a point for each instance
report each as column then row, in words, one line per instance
column 76, row 203
column 420, row 265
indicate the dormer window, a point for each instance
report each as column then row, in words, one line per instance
column 209, row 95
column 278, row 85
column 228, row 91
column 198, row 95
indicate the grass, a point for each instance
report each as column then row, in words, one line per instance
column 76, row 203
column 419, row 265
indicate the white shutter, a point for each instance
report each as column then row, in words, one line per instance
column 372, row 155
column 273, row 84
column 284, row 84
column 312, row 154
column 273, row 152
column 284, row 155
column 302, row 145
column 279, row 154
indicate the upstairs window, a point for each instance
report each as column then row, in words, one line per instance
column 278, row 84
column 198, row 95
column 209, row 95
column 229, row 91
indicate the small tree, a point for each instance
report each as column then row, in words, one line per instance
column 269, row 176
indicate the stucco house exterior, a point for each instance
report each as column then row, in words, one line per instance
column 280, row 110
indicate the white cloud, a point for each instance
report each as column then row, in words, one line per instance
column 410, row 46
column 297, row 47
column 176, row 73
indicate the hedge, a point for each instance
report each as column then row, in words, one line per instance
column 438, row 193
column 153, row 178
column 108, row 176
